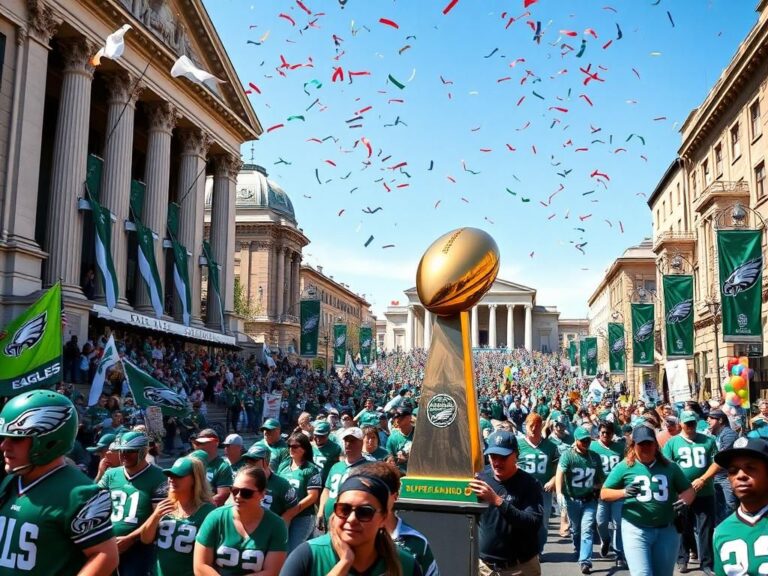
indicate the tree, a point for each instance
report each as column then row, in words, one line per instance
column 243, row 306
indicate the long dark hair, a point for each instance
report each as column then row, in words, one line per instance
column 302, row 440
column 632, row 457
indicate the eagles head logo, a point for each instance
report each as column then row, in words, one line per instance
column 27, row 336
column 164, row 397
column 366, row 343
column 94, row 516
column 341, row 340
column 680, row 311
column 743, row 278
column 37, row 421
column 310, row 324
column 618, row 346
column 592, row 353
column 644, row 332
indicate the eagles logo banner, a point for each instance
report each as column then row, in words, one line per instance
column 741, row 282
column 339, row 343
column 617, row 353
column 309, row 312
column 572, row 353
column 366, row 343
column 678, row 315
column 31, row 347
column 147, row 391
column 642, row 335
column 589, row 368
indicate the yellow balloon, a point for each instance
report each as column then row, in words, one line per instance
column 743, row 394
column 744, row 361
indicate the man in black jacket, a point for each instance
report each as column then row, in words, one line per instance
column 509, row 527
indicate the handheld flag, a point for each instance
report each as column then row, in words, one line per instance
column 108, row 359
column 149, row 392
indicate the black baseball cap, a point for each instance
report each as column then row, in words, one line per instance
column 643, row 433
column 754, row 447
column 501, row 443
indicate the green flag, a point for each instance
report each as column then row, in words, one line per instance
column 741, row 283
column 642, row 334
column 102, row 219
column 617, row 353
column 678, row 315
column 31, row 347
column 181, row 279
column 213, row 283
column 366, row 343
column 138, row 189
column 582, row 357
column 93, row 169
column 148, row 267
column 339, row 343
column 572, row 353
column 174, row 211
column 147, row 391
column 309, row 310
column 590, row 368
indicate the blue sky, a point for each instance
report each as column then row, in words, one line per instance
column 498, row 131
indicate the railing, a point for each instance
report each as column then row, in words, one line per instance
column 673, row 237
column 726, row 188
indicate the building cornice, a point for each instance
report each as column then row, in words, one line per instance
column 614, row 270
column 322, row 278
column 673, row 168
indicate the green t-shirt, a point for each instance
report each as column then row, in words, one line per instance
column 368, row 418
column 397, row 442
column 741, row 544
column 280, row 495
column 133, row 498
column 235, row 555
column 694, row 457
column 485, row 424
column 542, row 410
column 582, row 473
column 46, row 529
column 609, row 455
column 303, row 479
column 219, row 474
column 175, row 541
column 236, row 466
column 660, row 484
column 539, row 461
column 380, row 454
column 326, row 456
column 336, row 476
column 562, row 445
column 497, row 410
column 278, row 452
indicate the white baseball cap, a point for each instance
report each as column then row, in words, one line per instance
column 351, row 431
column 233, row 440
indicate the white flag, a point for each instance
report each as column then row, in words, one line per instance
column 185, row 67
column 114, row 46
column 108, row 359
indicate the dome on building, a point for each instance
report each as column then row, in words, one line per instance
column 256, row 190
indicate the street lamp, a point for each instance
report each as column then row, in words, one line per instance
column 714, row 307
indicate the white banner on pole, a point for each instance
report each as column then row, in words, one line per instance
column 272, row 406
column 677, row 379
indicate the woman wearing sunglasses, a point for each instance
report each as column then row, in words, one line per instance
column 242, row 538
column 306, row 478
column 358, row 541
column 176, row 520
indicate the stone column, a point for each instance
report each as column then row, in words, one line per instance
column 64, row 230
column 245, row 269
column 253, row 279
column 528, row 328
column 287, row 304
column 222, row 234
column 510, row 326
column 116, row 179
column 191, row 197
column 157, row 176
column 279, row 306
column 475, row 327
column 409, row 330
column 427, row 328
column 492, row 326
column 274, row 253
column 296, row 276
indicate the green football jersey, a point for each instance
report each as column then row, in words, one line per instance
column 236, row 466
column 45, row 526
column 415, row 543
column 336, row 476
column 219, row 474
column 235, row 555
column 175, row 541
column 303, row 479
column 278, row 452
column 660, row 484
column 540, row 460
column 133, row 498
column 741, row 544
column 609, row 455
column 380, row 454
column 582, row 473
column 562, row 445
column 399, row 442
column 280, row 495
column 693, row 457
column 368, row 418
column 326, row 456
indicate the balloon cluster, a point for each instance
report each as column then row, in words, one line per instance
column 737, row 386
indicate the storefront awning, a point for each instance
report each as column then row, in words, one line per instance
column 149, row 323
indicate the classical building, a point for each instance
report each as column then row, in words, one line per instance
column 630, row 276
column 268, row 244
column 721, row 161
column 339, row 304
column 570, row 329
column 62, row 120
column 506, row 317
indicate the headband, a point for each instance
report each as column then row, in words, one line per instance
column 373, row 486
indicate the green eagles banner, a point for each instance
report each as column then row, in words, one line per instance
column 617, row 352
column 181, row 280
column 214, row 287
column 31, row 347
column 678, row 315
column 339, row 343
column 93, row 171
column 590, row 366
column 572, row 353
column 174, row 211
column 642, row 334
column 102, row 220
column 147, row 391
column 309, row 311
column 366, row 343
column 148, row 267
column 138, row 189
column 741, row 283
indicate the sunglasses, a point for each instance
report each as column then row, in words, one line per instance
column 294, row 446
column 364, row 513
column 245, row 493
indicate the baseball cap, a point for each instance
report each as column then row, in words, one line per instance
column 501, row 443
column 322, row 429
column 257, row 452
column 103, row 443
column 206, row 435
column 716, row 413
column 182, row 467
column 233, row 440
column 351, row 431
column 626, row 429
column 754, row 447
column 643, row 434
column 201, row 455
column 688, row 416
column 402, row 411
column 270, row 424
column 581, row 433
column 671, row 420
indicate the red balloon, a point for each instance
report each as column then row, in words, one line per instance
column 738, row 383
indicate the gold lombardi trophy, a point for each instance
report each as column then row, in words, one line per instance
column 453, row 275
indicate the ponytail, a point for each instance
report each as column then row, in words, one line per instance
column 386, row 550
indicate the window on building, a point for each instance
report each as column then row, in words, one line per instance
column 694, row 185
column 754, row 119
column 678, row 194
column 649, row 285
column 718, row 161
column 735, row 144
column 663, row 206
column 705, row 174
column 760, row 179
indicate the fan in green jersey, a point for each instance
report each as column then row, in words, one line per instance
column 55, row 520
column 741, row 540
column 301, row 471
column 371, row 447
column 173, row 525
column 399, row 443
column 279, row 496
column 326, row 452
column 219, row 473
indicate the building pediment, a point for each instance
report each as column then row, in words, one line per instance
column 499, row 286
